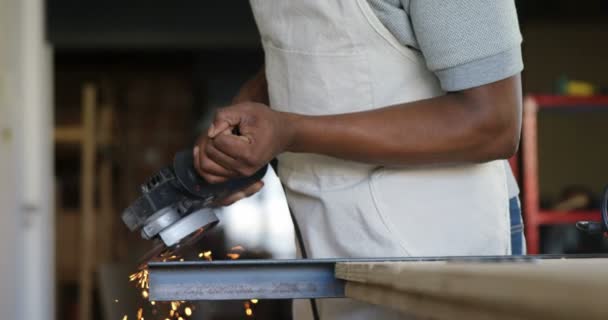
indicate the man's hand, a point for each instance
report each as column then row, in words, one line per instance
column 215, row 173
column 262, row 134
column 242, row 138
column 254, row 90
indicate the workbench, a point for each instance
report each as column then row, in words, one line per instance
column 492, row 287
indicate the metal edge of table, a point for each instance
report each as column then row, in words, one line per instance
column 278, row 279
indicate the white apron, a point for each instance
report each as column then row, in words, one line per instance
column 331, row 57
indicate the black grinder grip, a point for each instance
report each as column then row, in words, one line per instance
column 183, row 166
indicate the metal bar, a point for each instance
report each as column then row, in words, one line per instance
column 264, row 279
column 276, row 279
column 550, row 217
column 529, row 154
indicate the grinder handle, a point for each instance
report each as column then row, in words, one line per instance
column 190, row 180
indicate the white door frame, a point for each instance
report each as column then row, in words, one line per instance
column 27, row 272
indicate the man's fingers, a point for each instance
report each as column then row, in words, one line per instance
column 197, row 162
column 242, row 137
column 225, row 118
column 232, row 145
column 213, row 179
column 244, row 193
column 215, row 173
column 219, row 126
column 209, row 169
column 219, row 157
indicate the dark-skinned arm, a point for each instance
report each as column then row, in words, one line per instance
column 254, row 89
column 470, row 126
column 474, row 125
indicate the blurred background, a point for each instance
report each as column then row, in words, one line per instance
column 95, row 96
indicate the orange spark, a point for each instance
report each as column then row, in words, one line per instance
column 141, row 280
column 205, row 255
column 233, row 256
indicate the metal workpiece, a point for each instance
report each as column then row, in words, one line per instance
column 244, row 279
column 278, row 279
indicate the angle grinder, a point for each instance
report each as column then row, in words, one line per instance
column 175, row 206
column 597, row 227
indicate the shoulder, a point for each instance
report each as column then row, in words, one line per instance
column 468, row 42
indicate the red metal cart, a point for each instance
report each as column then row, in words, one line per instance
column 534, row 215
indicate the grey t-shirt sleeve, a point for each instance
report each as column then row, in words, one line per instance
column 467, row 43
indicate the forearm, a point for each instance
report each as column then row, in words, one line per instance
column 461, row 127
column 255, row 89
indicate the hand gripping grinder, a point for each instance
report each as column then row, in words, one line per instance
column 174, row 208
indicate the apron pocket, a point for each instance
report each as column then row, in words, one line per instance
column 461, row 210
column 391, row 229
column 338, row 222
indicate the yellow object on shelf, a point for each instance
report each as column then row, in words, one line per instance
column 576, row 88
column 580, row 88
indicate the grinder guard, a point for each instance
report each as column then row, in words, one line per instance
column 175, row 203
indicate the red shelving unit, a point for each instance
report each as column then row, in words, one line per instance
column 534, row 216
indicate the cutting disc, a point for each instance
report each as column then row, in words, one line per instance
column 180, row 234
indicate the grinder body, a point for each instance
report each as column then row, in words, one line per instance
column 597, row 227
column 175, row 203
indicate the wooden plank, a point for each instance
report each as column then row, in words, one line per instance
column 74, row 134
column 106, row 217
column 106, row 123
column 67, row 239
column 68, row 135
column 420, row 306
column 87, row 190
column 558, row 289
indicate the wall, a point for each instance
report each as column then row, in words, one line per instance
column 578, row 50
column 185, row 24
column 10, row 269
column 26, row 234
column 572, row 146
